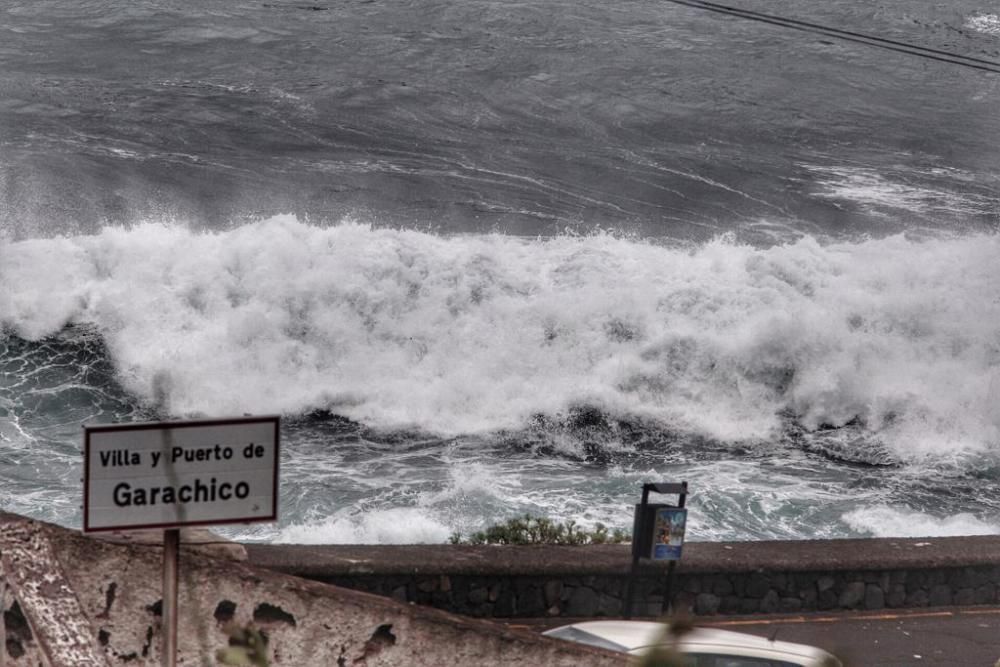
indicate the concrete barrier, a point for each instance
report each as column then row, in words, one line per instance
column 713, row 578
column 74, row 601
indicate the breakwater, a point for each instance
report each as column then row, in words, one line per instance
column 712, row 578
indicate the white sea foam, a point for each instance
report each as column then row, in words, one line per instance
column 468, row 334
column 880, row 193
column 885, row 521
column 985, row 23
column 398, row 525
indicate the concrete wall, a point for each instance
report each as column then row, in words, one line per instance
column 74, row 601
column 733, row 578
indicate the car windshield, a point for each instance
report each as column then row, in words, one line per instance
column 574, row 634
column 716, row 660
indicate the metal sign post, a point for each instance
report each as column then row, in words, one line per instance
column 171, row 549
column 173, row 474
column 3, row 625
column 657, row 534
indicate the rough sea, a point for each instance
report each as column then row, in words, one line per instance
column 489, row 257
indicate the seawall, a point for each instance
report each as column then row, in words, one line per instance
column 72, row 601
column 712, row 578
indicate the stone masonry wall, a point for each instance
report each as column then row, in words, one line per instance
column 736, row 578
column 703, row 594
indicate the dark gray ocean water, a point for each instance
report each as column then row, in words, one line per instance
column 489, row 258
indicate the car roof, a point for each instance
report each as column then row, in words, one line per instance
column 629, row 636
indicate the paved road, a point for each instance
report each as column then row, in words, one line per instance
column 966, row 637
column 959, row 637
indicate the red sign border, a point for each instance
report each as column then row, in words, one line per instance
column 160, row 426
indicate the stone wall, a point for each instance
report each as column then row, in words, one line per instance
column 73, row 601
column 779, row 592
column 723, row 593
column 734, row 578
column 98, row 603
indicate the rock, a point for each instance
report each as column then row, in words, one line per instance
column 897, row 595
column 964, row 597
column 874, row 597
column 706, row 604
column 916, row 581
column 584, row 602
column 730, row 605
column 853, row 595
column 505, row 606
column 986, row 594
column 690, row 585
column 940, row 595
column 770, row 602
column 758, row 586
column 478, row 596
column 788, row 605
column 827, row 600
column 722, row 586
column 553, row 589
column 531, row 602
column 608, row 605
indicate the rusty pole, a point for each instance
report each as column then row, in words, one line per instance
column 3, row 628
column 171, row 548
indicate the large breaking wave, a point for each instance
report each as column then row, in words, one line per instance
column 896, row 339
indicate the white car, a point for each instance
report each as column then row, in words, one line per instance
column 699, row 647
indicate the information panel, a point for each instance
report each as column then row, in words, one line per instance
column 184, row 473
column 668, row 535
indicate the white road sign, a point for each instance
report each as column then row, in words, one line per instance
column 173, row 474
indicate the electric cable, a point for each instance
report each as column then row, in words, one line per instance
column 847, row 35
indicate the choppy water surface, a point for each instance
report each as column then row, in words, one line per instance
column 490, row 258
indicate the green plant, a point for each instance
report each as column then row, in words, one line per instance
column 539, row 530
column 247, row 647
column 664, row 652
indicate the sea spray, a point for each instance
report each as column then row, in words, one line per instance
column 475, row 334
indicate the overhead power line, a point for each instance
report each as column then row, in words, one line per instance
column 848, row 35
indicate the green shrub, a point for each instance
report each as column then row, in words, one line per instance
column 247, row 647
column 539, row 530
